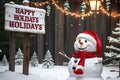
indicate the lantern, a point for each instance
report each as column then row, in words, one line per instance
column 94, row 4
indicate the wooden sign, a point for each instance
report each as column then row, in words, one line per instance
column 24, row 19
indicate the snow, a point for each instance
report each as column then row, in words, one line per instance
column 111, row 39
column 24, row 7
column 0, row 50
column 56, row 73
column 110, row 54
column 48, row 61
column 112, row 47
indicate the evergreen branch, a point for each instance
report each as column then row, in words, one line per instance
column 112, row 58
column 113, row 48
column 63, row 54
column 111, row 39
column 116, row 33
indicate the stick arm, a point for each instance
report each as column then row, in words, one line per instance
column 63, row 54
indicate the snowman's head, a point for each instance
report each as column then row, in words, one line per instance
column 84, row 44
column 88, row 41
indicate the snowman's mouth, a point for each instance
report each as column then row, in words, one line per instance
column 82, row 48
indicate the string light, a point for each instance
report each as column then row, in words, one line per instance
column 39, row 4
column 55, row 3
column 114, row 15
column 70, row 13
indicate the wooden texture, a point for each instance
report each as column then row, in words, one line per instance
column 12, row 51
column 40, row 47
column 26, row 51
column 59, row 36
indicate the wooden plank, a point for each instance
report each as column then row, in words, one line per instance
column 40, row 45
column 26, row 50
column 12, row 51
column 61, row 36
column 56, row 37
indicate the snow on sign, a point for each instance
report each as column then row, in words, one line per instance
column 24, row 19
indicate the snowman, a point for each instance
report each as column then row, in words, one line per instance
column 85, row 63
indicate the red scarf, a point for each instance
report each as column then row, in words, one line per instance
column 79, row 54
column 83, row 55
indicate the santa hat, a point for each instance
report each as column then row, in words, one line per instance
column 93, row 37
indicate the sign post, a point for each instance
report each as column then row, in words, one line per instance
column 26, row 49
column 22, row 18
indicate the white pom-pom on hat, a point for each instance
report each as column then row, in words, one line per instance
column 25, row 1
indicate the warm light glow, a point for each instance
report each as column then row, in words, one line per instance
column 92, row 4
column 95, row 4
column 70, row 13
column 39, row 4
column 109, row 14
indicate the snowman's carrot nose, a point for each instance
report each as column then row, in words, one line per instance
column 81, row 43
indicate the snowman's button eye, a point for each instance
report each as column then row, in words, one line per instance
column 79, row 40
column 85, row 41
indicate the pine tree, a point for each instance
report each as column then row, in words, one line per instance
column 113, row 50
column 83, row 8
column 48, row 61
column 4, row 61
column 19, row 57
column 48, row 10
column 66, row 6
column 34, row 60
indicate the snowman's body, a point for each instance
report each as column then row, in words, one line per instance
column 92, row 71
column 92, row 68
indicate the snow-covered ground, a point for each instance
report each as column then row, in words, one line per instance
column 57, row 73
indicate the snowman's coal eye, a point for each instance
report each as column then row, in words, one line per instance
column 85, row 41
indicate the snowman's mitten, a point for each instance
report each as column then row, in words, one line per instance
column 78, row 71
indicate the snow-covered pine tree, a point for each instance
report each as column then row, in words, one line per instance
column 19, row 57
column 48, row 10
column 113, row 50
column 48, row 61
column 34, row 60
column 83, row 8
column 4, row 61
column 107, row 4
column 66, row 6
